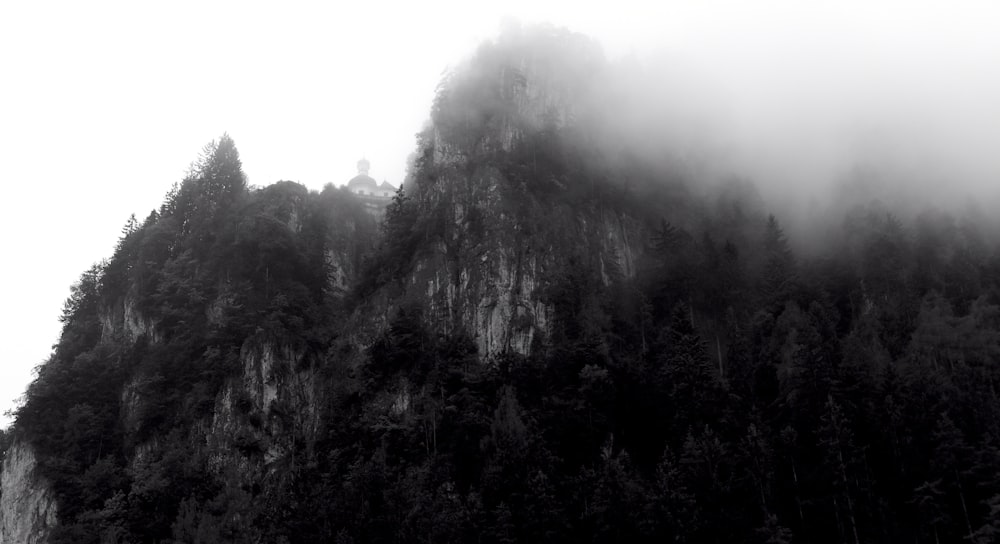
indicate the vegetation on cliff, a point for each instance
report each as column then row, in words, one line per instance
column 726, row 389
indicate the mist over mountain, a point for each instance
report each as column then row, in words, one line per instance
column 611, row 302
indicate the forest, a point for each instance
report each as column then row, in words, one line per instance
column 728, row 387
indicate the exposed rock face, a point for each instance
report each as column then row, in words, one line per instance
column 260, row 415
column 493, row 283
column 124, row 320
column 341, row 270
column 501, row 244
column 27, row 505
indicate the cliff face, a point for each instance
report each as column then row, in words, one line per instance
column 27, row 505
column 500, row 250
column 502, row 237
column 124, row 322
column 260, row 414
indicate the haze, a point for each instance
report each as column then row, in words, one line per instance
column 104, row 105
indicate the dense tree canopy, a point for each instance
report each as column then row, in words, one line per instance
column 727, row 389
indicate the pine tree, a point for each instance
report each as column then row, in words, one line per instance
column 836, row 439
column 779, row 274
column 951, row 458
column 686, row 376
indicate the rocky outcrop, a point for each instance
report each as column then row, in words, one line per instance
column 500, row 246
column 494, row 286
column 124, row 320
column 260, row 414
column 27, row 505
column 340, row 271
column 277, row 376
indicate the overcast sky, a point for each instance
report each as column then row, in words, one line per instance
column 104, row 105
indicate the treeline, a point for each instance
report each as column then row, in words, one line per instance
column 727, row 390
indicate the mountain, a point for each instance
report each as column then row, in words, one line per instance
column 560, row 330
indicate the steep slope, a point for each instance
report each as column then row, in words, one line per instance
column 198, row 339
column 511, row 188
column 204, row 363
column 206, row 335
column 27, row 505
column 249, row 365
column 559, row 333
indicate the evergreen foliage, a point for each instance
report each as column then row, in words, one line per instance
column 726, row 390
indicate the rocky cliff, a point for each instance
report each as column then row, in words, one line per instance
column 27, row 505
column 492, row 187
column 495, row 257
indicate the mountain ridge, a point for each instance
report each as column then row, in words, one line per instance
column 558, row 331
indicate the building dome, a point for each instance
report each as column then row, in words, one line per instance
column 362, row 182
column 374, row 196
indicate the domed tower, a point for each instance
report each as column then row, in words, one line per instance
column 373, row 196
column 362, row 184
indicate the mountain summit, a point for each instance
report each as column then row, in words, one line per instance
column 561, row 328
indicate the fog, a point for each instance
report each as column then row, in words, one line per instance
column 102, row 108
column 834, row 121
column 845, row 104
column 823, row 108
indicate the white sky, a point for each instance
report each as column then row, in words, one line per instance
column 103, row 105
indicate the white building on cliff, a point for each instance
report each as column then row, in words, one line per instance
column 365, row 186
